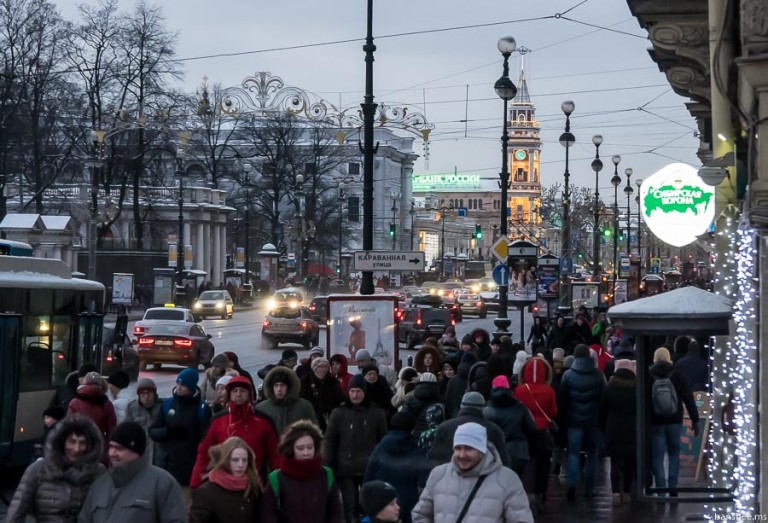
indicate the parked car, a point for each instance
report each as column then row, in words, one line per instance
column 182, row 343
column 288, row 324
column 318, row 308
column 214, row 303
column 472, row 304
column 419, row 322
column 117, row 351
column 162, row 314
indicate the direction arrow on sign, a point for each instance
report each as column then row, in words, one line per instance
column 501, row 275
column 500, row 249
column 389, row 261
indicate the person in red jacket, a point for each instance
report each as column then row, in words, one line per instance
column 339, row 370
column 91, row 400
column 241, row 420
column 535, row 391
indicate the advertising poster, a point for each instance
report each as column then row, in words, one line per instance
column 633, row 283
column 122, row 288
column 363, row 322
column 620, row 292
column 523, row 269
column 586, row 294
column 549, row 276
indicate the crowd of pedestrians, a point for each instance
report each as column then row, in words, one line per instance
column 471, row 432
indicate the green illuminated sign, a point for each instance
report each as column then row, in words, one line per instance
column 450, row 182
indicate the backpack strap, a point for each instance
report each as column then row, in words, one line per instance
column 274, row 483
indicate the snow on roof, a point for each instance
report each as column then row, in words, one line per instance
column 56, row 223
column 682, row 303
column 20, row 221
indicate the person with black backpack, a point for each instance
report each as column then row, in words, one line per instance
column 669, row 391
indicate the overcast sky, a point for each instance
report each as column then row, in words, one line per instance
column 598, row 59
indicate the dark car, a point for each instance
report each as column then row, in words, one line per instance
column 419, row 322
column 289, row 324
column 318, row 308
column 176, row 342
column 472, row 304
column 117, row 351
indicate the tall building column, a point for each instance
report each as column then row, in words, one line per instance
column 200, row 247
column 217, row 247
column 207, row 252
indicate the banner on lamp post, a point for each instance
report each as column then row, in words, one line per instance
column 187, row 256
column 240, row 258
column 172, row 255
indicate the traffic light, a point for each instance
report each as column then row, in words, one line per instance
column 392, row 230
column 338, row 269
column 478, row 232
column 621, row 235
column 607, row 232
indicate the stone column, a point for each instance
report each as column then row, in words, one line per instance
column 200, row 247
column 216, row 262
column 207, row 239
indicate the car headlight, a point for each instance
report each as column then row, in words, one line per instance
column 197, row 305
column 219, row 304
column 271, row 303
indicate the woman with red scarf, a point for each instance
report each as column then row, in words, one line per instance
column 231, row 492
column 302, row 490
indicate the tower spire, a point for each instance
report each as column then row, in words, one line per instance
column 523, row 97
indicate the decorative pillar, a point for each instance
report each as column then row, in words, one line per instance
column 207, row 259
column 216, row 262
column 200, row 246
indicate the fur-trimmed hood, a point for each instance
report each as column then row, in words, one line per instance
column 536, row 370
column 85, row 468
column 437, row 359
column 294, row 385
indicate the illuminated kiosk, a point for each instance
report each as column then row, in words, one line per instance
column 690, row 311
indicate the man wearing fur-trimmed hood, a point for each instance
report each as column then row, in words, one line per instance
column 283, row 404
column 54, row 488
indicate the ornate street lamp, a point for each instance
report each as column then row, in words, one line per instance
column 181, row 153
column 300, row 273
column 597, row 166
column 94, row 163
column 615, row 181
column 506, row 90
column 566, row 140
column 628, row 190
column 247, row 168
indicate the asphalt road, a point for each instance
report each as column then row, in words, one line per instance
column 242, row 335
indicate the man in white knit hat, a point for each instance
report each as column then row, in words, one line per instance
column 474, row 486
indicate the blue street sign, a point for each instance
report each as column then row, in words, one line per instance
column 501, row 274
column 462, row 211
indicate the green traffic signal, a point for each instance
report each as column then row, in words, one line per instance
column 478, row 232
column 392, row 230
column 607, row 233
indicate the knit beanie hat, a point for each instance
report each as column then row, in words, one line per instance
column 500, row 382
column 119, row 379
column 188, row 378
column 630, row 365
column 223, row 381
column 145, row 384
column 317, row 351
column 472, row 435
column 55, row 412
column 402, row 420
column 358, row 382
column 362, row 355
column 407, row 374
column 520, row 359
column 581, row 351
column 428, row 377
column 558, row 354
column 93, row 378
column 289, row 354
column 662, row 354
column 375, row 496
column 368, row 368
column 473, row 400
column 130, row 435
column 220, row 360
column 568, row 361
column 320, row 361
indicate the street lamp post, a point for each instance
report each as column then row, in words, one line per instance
column 300, row 237
column 247, row 168
column 566, row 140
column 615, row 181
column 412, row 212
column 94, row 163
column 341, row 225
column 597, row 166
column 639, row 182
column 369, row 110
column 394, row 223
column 180, row 154
column 628, row 191
column 506, row 90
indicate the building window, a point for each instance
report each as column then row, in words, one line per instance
column 519, row 212
column 461, row 202
column 354, row 168
column 353, row 205
column 480, row 204
column 520, row 175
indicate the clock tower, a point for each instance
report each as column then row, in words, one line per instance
column 525, row 170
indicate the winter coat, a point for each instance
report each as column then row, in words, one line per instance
column 212, row 503
column 579, row 334
column 352, row 433
column 534, row 391
column 380, row 394
column 304, row 495
column 437, row 360
column 580, row 393
column 500, row 499
column 344, row 375
column 145, row 417
column 289, row 409
column 537, row 334
column 618, row 414
column 484, row 347
column 398, row 460
column 620, row 353
column 514, row 420
column 134, row 492
column 477, row 379
column 92, row 401
column 695, row 369
column 442, row 447
column 52, row 489
column 456, row 388
column 179, row 432
column 66, row 392
column 120, row 403
column 257, row 430
column 425, row 395
column 559, row 337
column 662, row 369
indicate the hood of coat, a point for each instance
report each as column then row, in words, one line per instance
column 341, row 359
column 478, row 370
column 583, row 365
column 661, row 369
column 398, row 442
column 427, row 391
column 501, row 397
column 482, row 333
column 294, row 384
column 437, row 359
column 465, row 364
column 536, row 370
column 490, row 463
column 92, row 394
column 54, row 444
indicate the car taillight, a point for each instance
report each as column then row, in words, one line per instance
column 453, row 322
column 418, row 319
column 266, row 323
column 304, row 325
column 146, row 341
column 182, row 343
column 312, row 308
column 138, row 330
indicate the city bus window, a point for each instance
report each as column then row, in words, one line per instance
column 36, row 362
column 61, row 347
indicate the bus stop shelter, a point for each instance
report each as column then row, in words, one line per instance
column 684, row 311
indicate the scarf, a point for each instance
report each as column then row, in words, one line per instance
column 228, row 481
column 301, row 469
